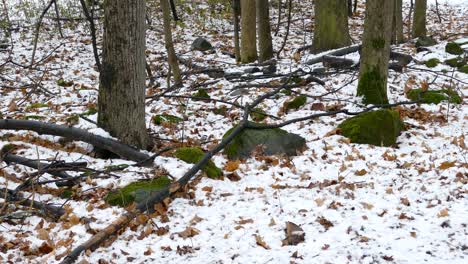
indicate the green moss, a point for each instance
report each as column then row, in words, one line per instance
column 222, row 110
column 37, row 105
column 274, row 141
column 136, row 191
column 432, row 63
column 434, row 96
column 463, row 69
column 453, row 48
column 296, row 103
column 378, row 43
column 116, row 167
column 373, row 87
column 63, row 83
column 379, row 128
column 90, row 111
column 159, row 119
column 193, row 155
column 201, row 93
column 258, row 114
column 34, row 117
column 455, row 62
column 66, row 193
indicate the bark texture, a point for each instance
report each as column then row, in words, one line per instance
column 265, row 46
column 397, row 26
column 121, row 102
column 171, row 55
column 331, row 25
column 419, row 19
column 236, row 10
column 375, row 52
column 248, row 32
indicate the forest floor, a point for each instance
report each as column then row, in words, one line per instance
column 355, row 203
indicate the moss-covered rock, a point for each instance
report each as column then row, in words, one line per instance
column 453, row 48
column 463, row 69
column 201, row 93
column 425, row 42
column 193, row 155
column 379, row 128
column 136, row 191
column 295, row 103
column 434, row 96
column 456, row 62
column 258, row 114
column 171, row 119
column 431, row 63
column 274, row 141
column 63, row 83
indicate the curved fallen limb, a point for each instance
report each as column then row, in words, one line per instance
column 111, row 145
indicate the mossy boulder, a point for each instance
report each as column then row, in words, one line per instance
column 63, row 83
column 463, row 69
column 201, row 44
column 136, row 191
column 258, row 114
column 201, row 93
column 431, row 63
column 456, row 62
column 274, row 141
column 379, row 128
column 454, row 48
column 171, row 119
column 434, row 96
column 193, row 155
column 295, row 103
column 425, row 42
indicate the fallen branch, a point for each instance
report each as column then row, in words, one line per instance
column 48, row 210
column 122, row 150
column 10, row 158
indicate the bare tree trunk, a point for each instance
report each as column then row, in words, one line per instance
column 121, row 102
column 397, row 26
column 375, row 53
column 419, row 19
column 248, row 32
column 171, row 55
column 236, row 6
column 265, row 46
column 331, row 25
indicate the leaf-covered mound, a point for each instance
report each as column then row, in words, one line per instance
column 193, row 155
column 136, row 191
column 273, row 141
column 434, row 96
column 379, row 128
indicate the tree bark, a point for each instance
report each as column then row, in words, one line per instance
column 171, row 55
column 397, row 26
column 265, row 46
column 419, row 19
column 236, row 10
column 375, row 52
column 121, row 102
column 331, row 25
column 248, row 32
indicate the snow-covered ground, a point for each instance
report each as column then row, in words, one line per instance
column 355, row 203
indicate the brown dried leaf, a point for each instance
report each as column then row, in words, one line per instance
column 232, row 165
column 324, row 222
column 446, row 164
column 294, row 234
column 189, row 232
column 261, row 242
column 443, row 213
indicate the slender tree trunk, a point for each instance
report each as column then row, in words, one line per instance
column 248, row 32
column 121, row 102
column 236, row 9
column 375, row 53
column 331, row 25
column 397, row 26
column 171, row 55
column 419, row 19
column 174, row 11
column 350, row 8
column 265, row 46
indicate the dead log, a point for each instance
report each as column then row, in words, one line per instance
column 336, row 52
column 10, row 158
column 47, row 210
column 122, row 150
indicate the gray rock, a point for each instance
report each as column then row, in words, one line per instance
column 425, row 42
column 273, row 141
column 201, row 44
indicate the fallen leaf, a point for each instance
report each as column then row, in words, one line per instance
column 324, row 222
column 294, row 234
column 232, row 165
column 443, row 213
column 446, row 164
column 360, row 172
column 261, row 242
column 189, row 232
